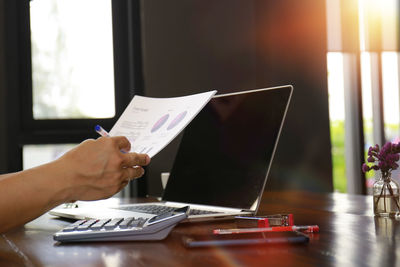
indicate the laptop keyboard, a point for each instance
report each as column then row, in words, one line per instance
column 159, row 209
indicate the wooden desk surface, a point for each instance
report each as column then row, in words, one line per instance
column 349, row 236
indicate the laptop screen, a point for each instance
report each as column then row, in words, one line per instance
column 226, row 151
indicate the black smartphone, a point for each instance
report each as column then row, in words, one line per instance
column 245, row 239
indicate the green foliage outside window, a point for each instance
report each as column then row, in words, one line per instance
column 338, row 156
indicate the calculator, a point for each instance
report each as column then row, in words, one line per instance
column 122, row 229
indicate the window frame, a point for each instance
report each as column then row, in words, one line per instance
column 21, row 127
column 42, row 131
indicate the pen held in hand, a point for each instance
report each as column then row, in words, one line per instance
column 303, row 228
column 101, row 131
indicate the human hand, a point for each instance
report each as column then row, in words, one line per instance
column 98, row 169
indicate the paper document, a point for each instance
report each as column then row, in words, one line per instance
column 152, row 123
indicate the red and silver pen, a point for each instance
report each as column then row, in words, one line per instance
column 303, row 228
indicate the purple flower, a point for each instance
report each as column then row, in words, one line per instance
column 365, row 168
column 381, row 164
column 398, row 146
column 376, row 148
column 383, row 159
column 387, row 147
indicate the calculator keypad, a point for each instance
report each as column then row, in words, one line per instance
column 122, row 229
column 99, row 224
column 105, row 224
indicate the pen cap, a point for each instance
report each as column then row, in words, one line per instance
column 290, row 219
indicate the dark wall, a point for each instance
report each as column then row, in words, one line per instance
column 3, row 95
column 292, row 49
column 197, row 45
column 193, row 46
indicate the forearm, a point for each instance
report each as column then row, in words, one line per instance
column 96, row 169
column 27, row 194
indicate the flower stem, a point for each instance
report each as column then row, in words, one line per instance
column 394, row 197
column 379, row 197
column 384, row 195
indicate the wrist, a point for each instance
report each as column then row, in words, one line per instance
column 56, row 181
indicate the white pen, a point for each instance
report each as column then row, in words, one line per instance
column 101, row 131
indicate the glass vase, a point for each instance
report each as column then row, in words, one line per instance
column 386, row 197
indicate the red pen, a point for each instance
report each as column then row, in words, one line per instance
column 303, row 228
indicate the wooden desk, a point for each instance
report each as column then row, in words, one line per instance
column 349, row 236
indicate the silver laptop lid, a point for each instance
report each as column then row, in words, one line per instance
column 226, row 152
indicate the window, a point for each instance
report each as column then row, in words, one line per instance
column 77, row 63
column 336, row 116
column 362, row 70
column 72, row 59
column 72, row 66
column 34, row 155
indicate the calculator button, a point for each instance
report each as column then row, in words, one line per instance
column 69, row 229
column 78, row 222
column 135, row 223
column 138, row 223
column 112, row 224
column 73, row 226
column 125, row 223
column 85, row 226
column 99, row 224
column 142, row 221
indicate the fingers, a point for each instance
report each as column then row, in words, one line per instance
column 134, row 159
column 122, row 143
column 130, row 173
column 130, row 159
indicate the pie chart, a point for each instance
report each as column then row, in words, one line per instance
column 177, row 120
column 159, row 123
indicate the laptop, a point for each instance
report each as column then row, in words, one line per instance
column 222, row 163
